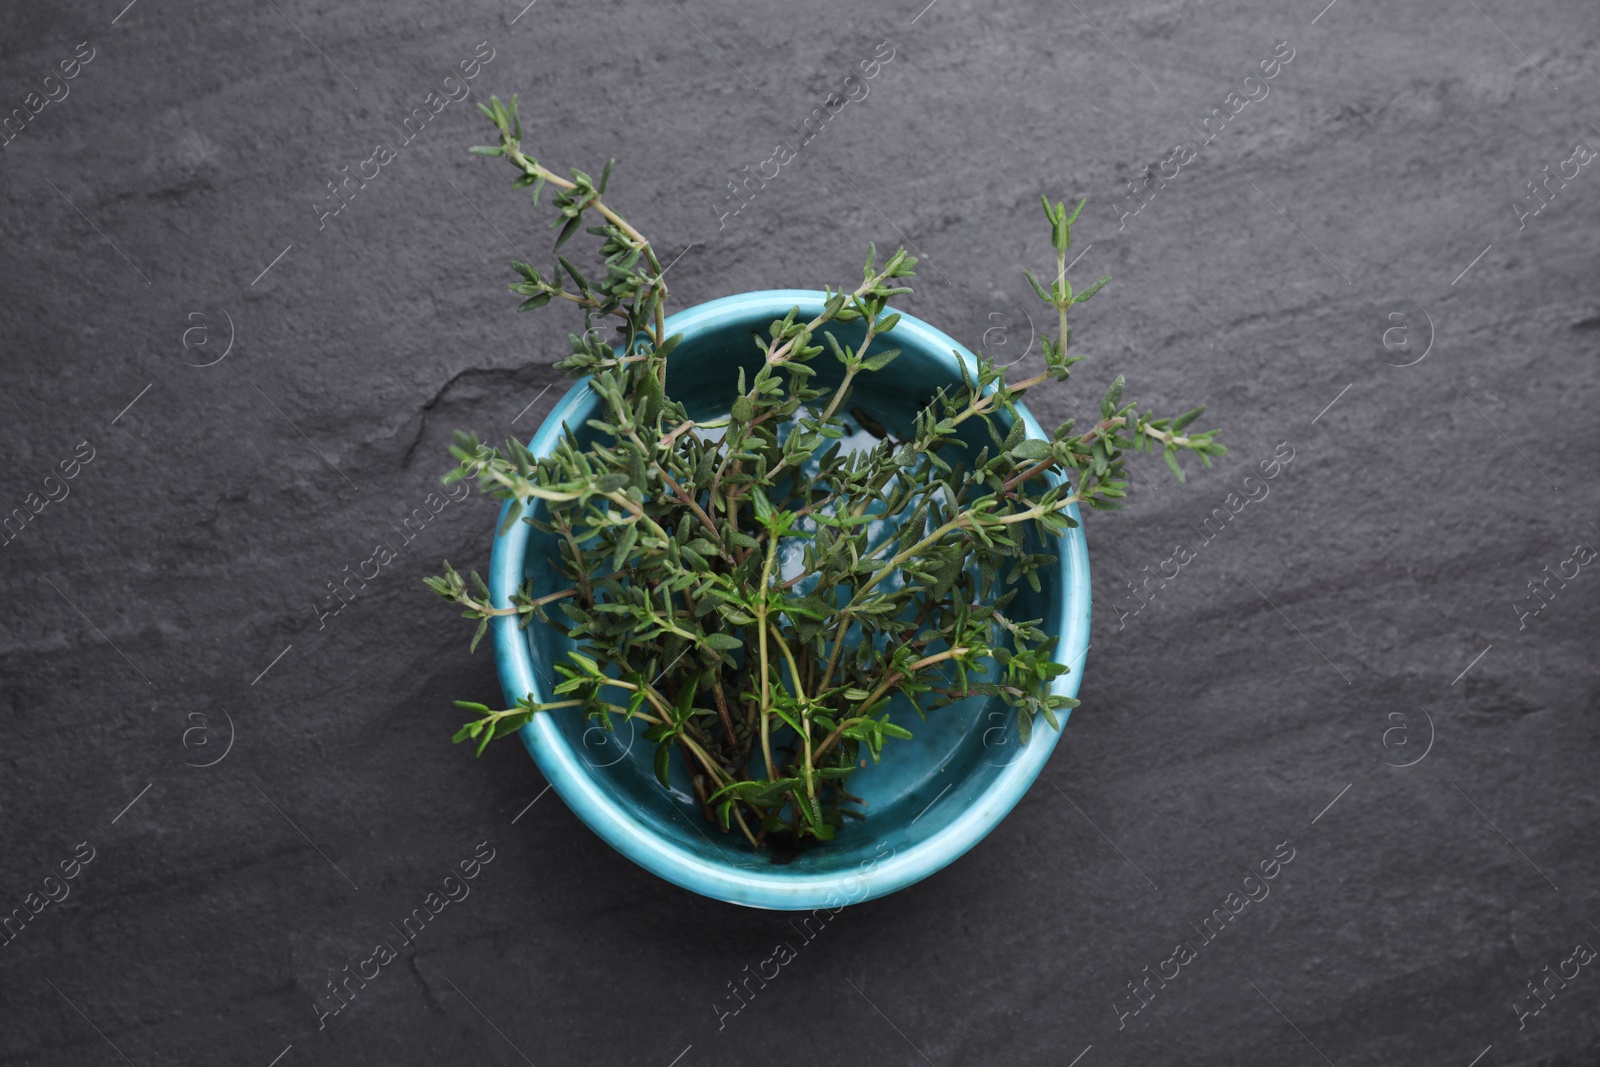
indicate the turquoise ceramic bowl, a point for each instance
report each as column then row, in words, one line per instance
column 929, row 801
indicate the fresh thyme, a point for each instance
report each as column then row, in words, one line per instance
column 774, row 679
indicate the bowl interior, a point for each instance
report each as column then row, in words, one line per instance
column 946, row 773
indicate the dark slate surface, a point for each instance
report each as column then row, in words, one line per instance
column 175, row 589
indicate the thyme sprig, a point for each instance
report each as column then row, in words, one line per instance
column 753, row 592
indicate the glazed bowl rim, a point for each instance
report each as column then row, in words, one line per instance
column 633, row 832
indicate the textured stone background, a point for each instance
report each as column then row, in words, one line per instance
column 1372, row 589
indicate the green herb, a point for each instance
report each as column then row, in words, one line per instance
column 775, row 683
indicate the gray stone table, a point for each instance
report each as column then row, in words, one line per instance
column 1380, row 261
